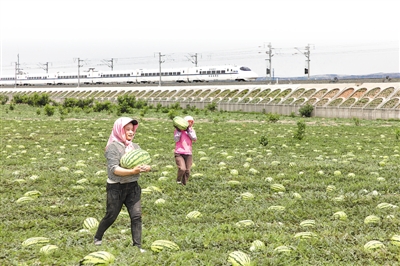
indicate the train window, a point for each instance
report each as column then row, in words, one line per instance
column 218, row 71
column 209, row 72
column 213, row 72
column 245, row 68
column 170, row 73
column 178, row 73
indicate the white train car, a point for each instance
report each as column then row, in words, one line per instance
column 138, row 76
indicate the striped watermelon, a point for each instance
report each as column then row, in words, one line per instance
column 372, row 219
column 180, row 123
column 160, row 245
column 278, row 188
column 340, row 215
column 233, row 182
column 305, row 235
column 276, row 208
column 239, row 258
column 245, row 223
column 48, row 249
column 308, row 223
column 330, row 188
column 33, row 193
column 35, row 240
column 193, row 215
column 159, row 201
column 24, row 199
column 134, row 158
column 282, row 249
column 247, row 196
column 146, row 191
column 257, row 245
column 395, row 240
column 90, row 223
column 98, row 258
column 373, row 244
column 385, row 205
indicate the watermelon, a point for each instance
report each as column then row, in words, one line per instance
column 305, row 235
column 395, row 240
column 98, row 258
column 276, row 208
column 257, row 245
column 372, row 219
column 308, row 223
column 134, row 158
column 90, row 223
column 159, row 201
column 160, row 245
column 330, row 188
column 48, row 249
column 282, row 249
column 35, row 240
column 245, row 223
column 373, row 244
column 193, row 215
column 33, row 193
column 340, row 215
column 180, row 123
column 247, row 196
column 239, row 258
column 385, row 205
column 24, row 199
column 278, row 188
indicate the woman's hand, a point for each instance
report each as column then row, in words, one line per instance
column 145, row 168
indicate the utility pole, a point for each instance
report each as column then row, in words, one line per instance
column 17, row 70
column 270, row 55
column 15, row 74
column 307, row 54
column 45, row 66
column 194, row 59
column 159, row 66
column 110, row 63
column 79, row 70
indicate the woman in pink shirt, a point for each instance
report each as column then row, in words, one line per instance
column 183, row 150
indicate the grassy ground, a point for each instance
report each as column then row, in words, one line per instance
column 35, row 147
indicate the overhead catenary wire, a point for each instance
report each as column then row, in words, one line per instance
column 207, row 58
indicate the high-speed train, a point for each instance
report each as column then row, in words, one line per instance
column 91, row 76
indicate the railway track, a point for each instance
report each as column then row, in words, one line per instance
column 264, row 82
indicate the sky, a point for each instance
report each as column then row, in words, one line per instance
column 349, row 37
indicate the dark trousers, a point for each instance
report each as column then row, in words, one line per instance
column 184, row 163
column 123, row 194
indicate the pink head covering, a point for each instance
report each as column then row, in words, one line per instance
column 118, row 132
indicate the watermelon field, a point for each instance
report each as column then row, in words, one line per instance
column 283, row 191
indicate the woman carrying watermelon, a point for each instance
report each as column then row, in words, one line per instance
column 183, row 150
column 122, row 184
